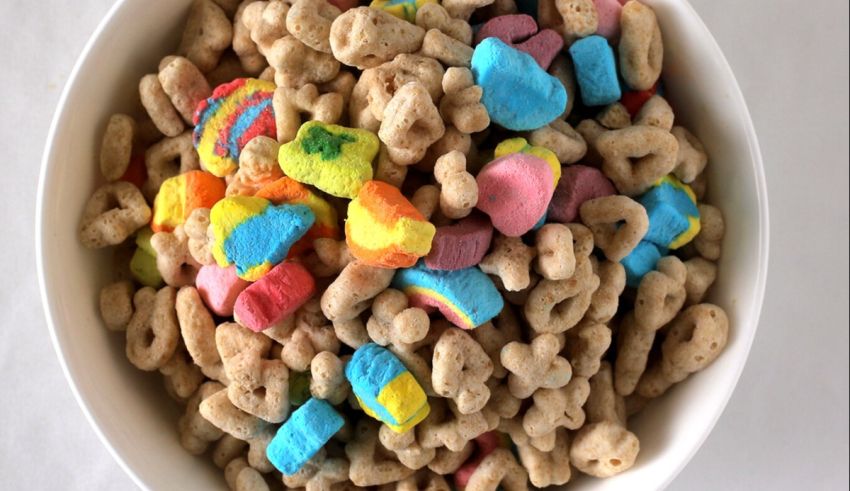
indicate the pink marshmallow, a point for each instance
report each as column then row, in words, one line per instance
column 344, row 5
column 608, row 12
column 515, row 191
column 219, row 288
column 579, row 183
column 274, row 297
column 520, row 32
column 461, row 245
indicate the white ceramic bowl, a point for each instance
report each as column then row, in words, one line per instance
column 129, row 409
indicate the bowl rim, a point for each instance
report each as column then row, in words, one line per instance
column 47, row 165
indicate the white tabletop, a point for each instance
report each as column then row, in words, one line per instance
column 786, row 426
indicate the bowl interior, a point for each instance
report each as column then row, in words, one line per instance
column 130, row 410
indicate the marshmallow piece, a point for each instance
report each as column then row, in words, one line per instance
column 219, row 288
column 403, row 9
column 385, row 388
column 596, row 71
column 181, row 194
column 255, row 235
column 608, row 13
column 289, row 191
column 520, row 31
column 461, row 245
column 485, row 444
column 236, row 113
column 333, row 158
column 467, row 297
column 641, row 261
column 306, row 431
column 633, row 100
column 517, row 92
column 521, row 145
column 515, row 191
column 143, row 263
column 673, row 214
column 384, row 229
column 274, row 297
column 579, row 183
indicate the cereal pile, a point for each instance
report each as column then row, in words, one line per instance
column 410, row 245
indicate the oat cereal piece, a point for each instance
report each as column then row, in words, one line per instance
column 392, row 322
column 268, row 399
column 556, row 258
column 328, row 378
column 510, row 261
column 383, row 81
column 606, row 299
column 452, row 140
column 296, row 64
column 557, row 306
column 604, row 403
column 250, row 58
column 113, row 213
column 636, row 157
column 390, row 172
column 424, row 480
column 463, row 9
column 548, row 468
column 460, row 370
column 370, row 463
column 404, row 445
column 692, row 158
column 694, row 340
column 579, row 18
column 562, row 69
column 702, row 274
column 633, row 347
column 700, row 186
column 243, row 353
column 116, row 305
column 590, row 131
column 461, row 106
column 641, row 46
column 492, row 339
column 352, row 291
column 502, row 404
column 196, row 433
column 585, row 346
column 459, row 190
column 709, row 241
column 379, row 37
column 498, row 470
column 241, row 477
column 207, row 34
column 310, row 22
column 258, row 166
column 447, row 427
column 158, row 106
column 329, row 257
column 618, row 223
column 153, row 333
column 661, row 294
column 561, row 138
column 304, row 342
column 360, row 113
column 604, row 449
column 218, row 410
column 181, row 376
column 435, row 16
column 582, row 242
column 513, row 428
column 200, row 236
column 117, row 146
column 614, row 117
column 554, row 408
column 448, row 50
column 656, row 112
column 173, row 260
column 535, row 365
column 161, row 161
column 319, row 473
column 447, row 462
column 185, row 86
column 410, row 124
column 290, row 104
column 227, row 449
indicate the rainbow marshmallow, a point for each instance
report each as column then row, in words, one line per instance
column 673, row 213
column 181, row 194
column 521, row 145
column 385, row 389
column 403, row 9
column 466, row 297
column 236, row 113
column 289, row 191
column 255, row 235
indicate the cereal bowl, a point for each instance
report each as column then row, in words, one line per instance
column 122, row 403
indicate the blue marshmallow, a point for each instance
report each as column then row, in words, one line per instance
column 518, row 94
column 673, row 214
column 306, row 431
column 641, row 261
column 596, row 71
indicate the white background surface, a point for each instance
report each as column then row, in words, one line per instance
column 786, row 426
